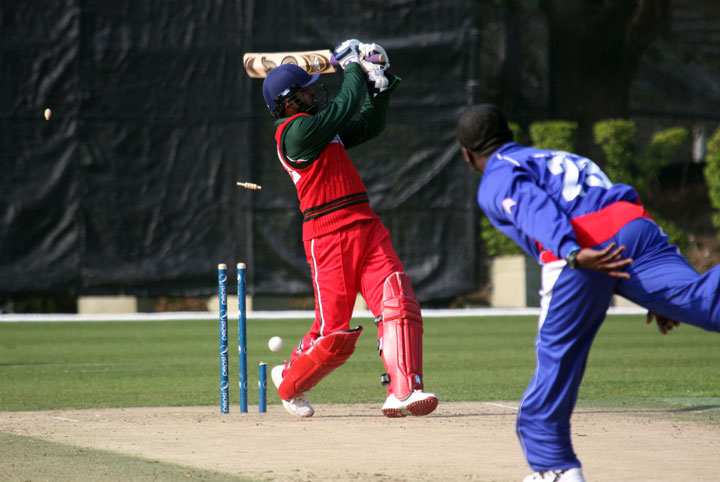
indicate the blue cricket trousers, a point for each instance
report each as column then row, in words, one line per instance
column 573, row 306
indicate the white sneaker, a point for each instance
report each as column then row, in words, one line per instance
column 418, row 403
column 299, row 406
column 568, row 475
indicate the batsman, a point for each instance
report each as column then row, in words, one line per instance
column 347, row 247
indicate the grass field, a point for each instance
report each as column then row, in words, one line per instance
column 62, row 365
column 64, row 462
column 57, row 365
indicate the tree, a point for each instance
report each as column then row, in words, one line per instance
column 595, row 49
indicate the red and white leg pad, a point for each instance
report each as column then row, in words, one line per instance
column 401, row 335
column 324, row 356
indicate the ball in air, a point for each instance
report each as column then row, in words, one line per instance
column 275, row 343
column 47, row 114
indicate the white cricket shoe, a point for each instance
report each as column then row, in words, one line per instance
column 299, row 406
column 568, row 475
column 418, row 403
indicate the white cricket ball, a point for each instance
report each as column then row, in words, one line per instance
column 47, row 114
column 275, row 343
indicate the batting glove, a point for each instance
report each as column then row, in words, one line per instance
column 377, row 80
column 374, row 54
column 347, row 52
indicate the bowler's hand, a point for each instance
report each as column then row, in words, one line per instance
column 606, row 261
column 663, row 324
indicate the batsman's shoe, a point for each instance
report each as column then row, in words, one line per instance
column 418, row 403
column 567, row 475
column 299, row 406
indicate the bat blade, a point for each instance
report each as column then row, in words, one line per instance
column 257, row 65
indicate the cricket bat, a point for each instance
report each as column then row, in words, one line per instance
column 257, row 65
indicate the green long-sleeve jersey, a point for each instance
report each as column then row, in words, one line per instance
column 306, row 136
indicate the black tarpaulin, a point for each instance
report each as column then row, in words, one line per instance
column 130, row 186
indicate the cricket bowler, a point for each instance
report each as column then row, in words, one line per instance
column 594, row 239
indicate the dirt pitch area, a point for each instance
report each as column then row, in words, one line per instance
column 460, row 442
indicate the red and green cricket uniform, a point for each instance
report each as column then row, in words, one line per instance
column 347, row 246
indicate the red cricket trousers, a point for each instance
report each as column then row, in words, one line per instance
column 355, row 259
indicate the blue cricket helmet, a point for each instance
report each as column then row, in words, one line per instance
column 283, row 81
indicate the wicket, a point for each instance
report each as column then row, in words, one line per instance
column 262, row 387
column 242, row 338
column 242, row 345
column 222, row 295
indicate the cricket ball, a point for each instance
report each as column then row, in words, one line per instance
column 275, row 343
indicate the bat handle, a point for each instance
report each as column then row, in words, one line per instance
column 375, row 59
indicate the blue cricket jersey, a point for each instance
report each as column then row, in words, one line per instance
column 550, row 202
column 541, row 199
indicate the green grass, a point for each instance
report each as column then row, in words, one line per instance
column 21, row 456
column 631, row 360
column 175, row 363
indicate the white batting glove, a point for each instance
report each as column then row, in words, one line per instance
column 376, row 78
column 347, row 52
column 375, row 54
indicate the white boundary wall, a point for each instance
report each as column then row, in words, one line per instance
column 275, row 315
